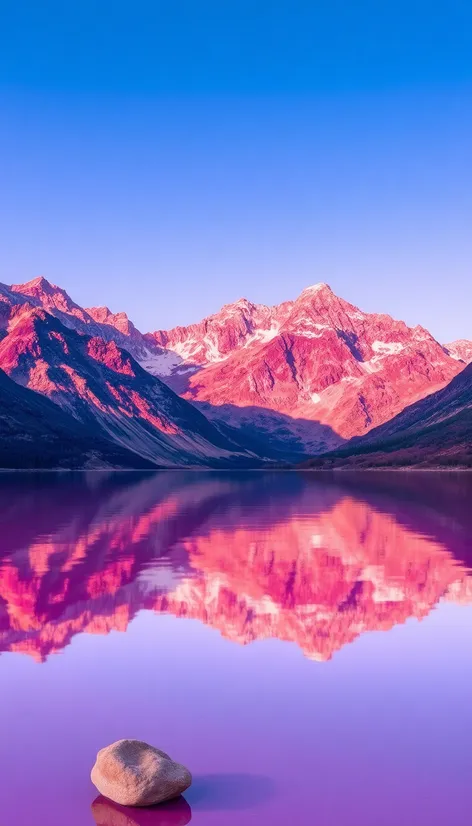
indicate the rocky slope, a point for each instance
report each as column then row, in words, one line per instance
column 434, row 432
column 103, row 387
column 460, row 350
column 35, row 433
column 93, row 321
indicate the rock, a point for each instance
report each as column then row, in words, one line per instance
column 132, row 773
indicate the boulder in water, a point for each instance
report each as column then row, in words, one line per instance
column 132, row 773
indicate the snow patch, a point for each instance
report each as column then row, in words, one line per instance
column 160, row 364
column 306, row 326
column 213, row 354
column 186, row 349
column 263, row 336
column 387, row 348
column 316, row 287
column 371, row 366
column 308, row 334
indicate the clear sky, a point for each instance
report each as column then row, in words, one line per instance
column 167, row 157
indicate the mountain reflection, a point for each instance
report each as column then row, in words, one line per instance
column 298, row 557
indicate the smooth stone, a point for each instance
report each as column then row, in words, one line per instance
column 132, row 773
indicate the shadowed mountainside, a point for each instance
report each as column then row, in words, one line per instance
column 433, row 433
column 104, row 388
column 35, row 433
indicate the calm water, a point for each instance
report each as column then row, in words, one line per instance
column 302, row 642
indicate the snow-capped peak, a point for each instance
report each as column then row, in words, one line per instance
column 316, row 288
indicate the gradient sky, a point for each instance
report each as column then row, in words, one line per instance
column 166, row 158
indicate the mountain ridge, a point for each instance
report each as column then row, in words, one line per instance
column 102, row 386
column 295, row 379
column 318, row 360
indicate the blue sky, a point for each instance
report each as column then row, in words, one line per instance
column 165, row 158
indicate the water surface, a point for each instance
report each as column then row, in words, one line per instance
column 302, row 642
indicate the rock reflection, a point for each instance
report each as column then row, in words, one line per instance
column 174, row 813
column 291, row 556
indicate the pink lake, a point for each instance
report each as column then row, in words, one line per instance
column 302, row 642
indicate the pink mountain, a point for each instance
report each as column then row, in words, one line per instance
column 317, row 369
column 101, row 385
column 283, row 382
column 460, row 350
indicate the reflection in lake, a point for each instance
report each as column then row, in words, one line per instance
column 300, row 559
column 246, row 598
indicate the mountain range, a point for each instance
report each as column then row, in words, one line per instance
column 247, row 386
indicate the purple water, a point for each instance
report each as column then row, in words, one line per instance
column 302, row 642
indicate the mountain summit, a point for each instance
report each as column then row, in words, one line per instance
column 309, row 373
